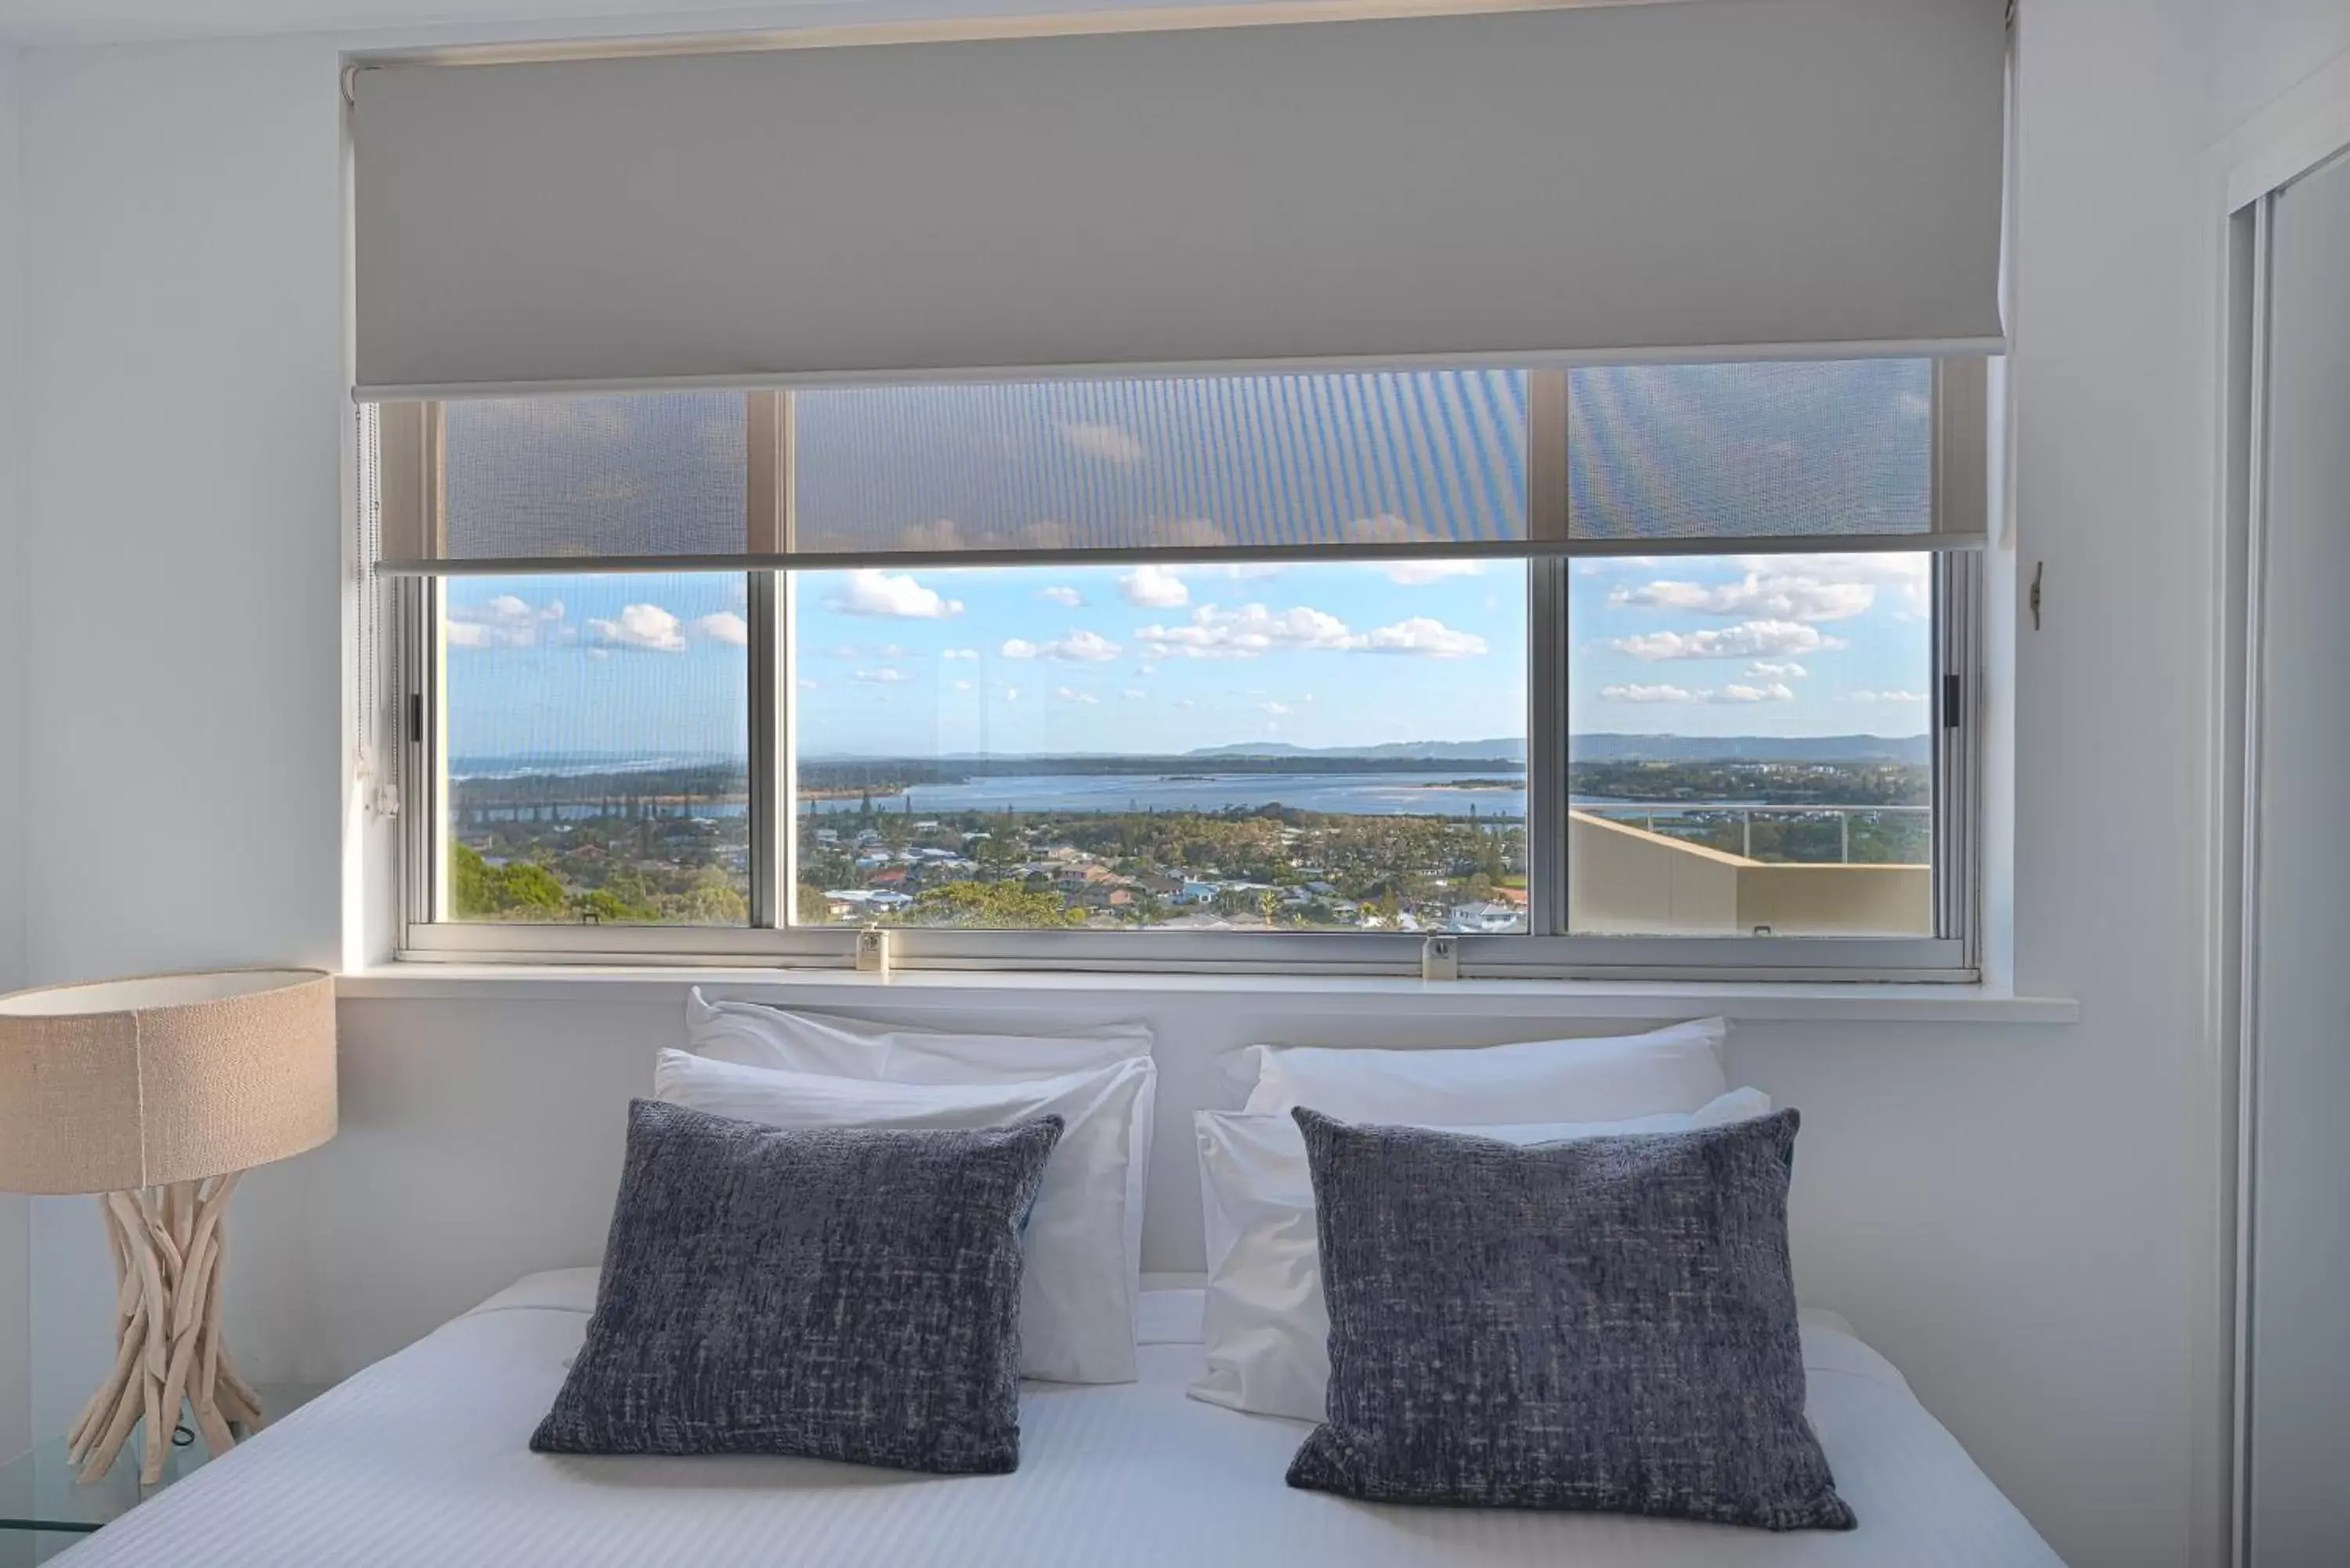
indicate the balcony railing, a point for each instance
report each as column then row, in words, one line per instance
column 1701, row 823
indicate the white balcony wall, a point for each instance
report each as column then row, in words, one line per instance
column 1623, row 880
column 1626, row 881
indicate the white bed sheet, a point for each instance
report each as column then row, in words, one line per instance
column 422, row 1459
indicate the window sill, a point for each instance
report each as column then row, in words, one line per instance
column 1787, row 1002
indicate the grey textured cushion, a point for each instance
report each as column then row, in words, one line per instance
column 1607, row 1323
column 839, row 1294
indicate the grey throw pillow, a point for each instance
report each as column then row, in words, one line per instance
column 839, row 1295
column 1606, row 1323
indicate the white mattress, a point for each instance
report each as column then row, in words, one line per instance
column 423, row 1460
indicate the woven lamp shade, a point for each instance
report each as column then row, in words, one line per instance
column 130, row 1083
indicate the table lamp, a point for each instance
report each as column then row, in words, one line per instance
column 157, row 1093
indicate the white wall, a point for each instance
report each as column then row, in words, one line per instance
column 179, row 636
column 15, row 1371
column 2017, row 1216
column 2262, row 48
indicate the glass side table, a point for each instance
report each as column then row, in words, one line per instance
column 43, row 1509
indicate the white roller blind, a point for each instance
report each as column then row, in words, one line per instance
column 1712, row 178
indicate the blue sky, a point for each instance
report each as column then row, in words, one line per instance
column 1156, row 660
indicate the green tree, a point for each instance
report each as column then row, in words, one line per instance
column 714, row 903
column 481, row 891
column 530, row 888
column 992, row 906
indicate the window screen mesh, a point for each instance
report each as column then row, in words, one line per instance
column 1391, row 458
column 629, row 475
column 1740, row 452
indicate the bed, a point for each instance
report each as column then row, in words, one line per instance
column 422, row 1459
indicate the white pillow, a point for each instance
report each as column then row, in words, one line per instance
column 1081, row 1268
column 1266, row 1327
column 761, row 1036
column 1676, row 1068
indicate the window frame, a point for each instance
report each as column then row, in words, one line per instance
column 1952, row 953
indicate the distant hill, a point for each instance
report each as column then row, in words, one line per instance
column 1913, row 750
column 1916, row 749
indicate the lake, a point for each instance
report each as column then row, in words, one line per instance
column 1357, row 794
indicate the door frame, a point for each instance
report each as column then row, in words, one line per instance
column 2305, row 129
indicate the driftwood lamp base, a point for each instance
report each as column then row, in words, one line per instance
column 169, row 1246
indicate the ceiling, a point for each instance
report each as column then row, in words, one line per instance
column 46, row 21
column 398, row 24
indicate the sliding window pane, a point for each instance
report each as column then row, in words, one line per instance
column 1751, row 749
column 1400, row 458
column 634, row 473
column 1159, row 748
column 597, row 760
column 1827, row 449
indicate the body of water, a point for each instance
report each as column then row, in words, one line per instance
column 1358, row 794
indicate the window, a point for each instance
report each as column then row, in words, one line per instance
column 1164, row 749
column 1751, row 746
column 1654, row 669
column 597, row 751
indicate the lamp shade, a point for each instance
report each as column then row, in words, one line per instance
column 165, row 1078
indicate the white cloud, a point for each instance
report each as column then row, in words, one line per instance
column 1276, row 708
column 1253, row 630
column 960, row 653
column 1911, row 698
column 888, row 675
column 1108, row 442
column 1387, row 528
column 1079, row 647
column 1071, row 694
column 1146, row 670
column 1775, row 594
column 647, row 627
column 1245, row 633
column 1764, row 669
column 1417, row 574
column 1423, row 637
column 1909, row 575
column 504, row 621
column 725, row 627
column 963, row 686
column 1012, row 694
column 809, row 686
column 1062, row 595
column 1668, row 693
column 1748, row 639
column 1082, row 647
column 877, row 593
column 1153, row 587
column 1131, row 695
